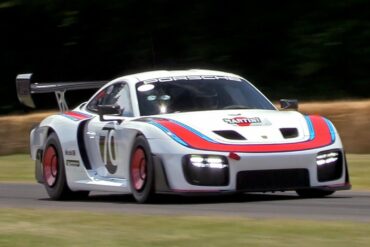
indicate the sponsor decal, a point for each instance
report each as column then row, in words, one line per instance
column 70, row 152
column 243, row 121
column 192, row 77
column 74, row 163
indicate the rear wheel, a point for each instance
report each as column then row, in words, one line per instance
column 141, row 171
column 314, row 193
column 54, row 172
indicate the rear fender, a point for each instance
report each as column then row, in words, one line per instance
column 67, row 130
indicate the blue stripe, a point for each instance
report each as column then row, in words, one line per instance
column 169, row 133
column 70, row 117
column 194, row 131
column 310, row 127
column 331, row 128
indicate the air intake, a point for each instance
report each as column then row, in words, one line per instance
column 289, row 132
column 230, row 134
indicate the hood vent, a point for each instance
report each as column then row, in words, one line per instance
column 289, row 132
column 230, row 134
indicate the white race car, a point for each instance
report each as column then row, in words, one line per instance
column 183, row 132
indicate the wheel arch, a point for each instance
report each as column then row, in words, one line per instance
column 161, row 184
column 38, row 139
column 66, row 131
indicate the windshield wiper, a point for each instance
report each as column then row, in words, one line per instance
column 236, row 107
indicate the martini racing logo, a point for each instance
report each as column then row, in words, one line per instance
column 243, row 121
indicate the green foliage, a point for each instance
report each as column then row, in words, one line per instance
column 313, row 49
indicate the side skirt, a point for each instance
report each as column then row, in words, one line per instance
column 98, row 183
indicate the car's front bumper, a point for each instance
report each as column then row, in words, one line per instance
column 255, row 172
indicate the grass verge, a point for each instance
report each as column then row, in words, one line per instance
column 17, row 168
column 20, row 168
column 359, row 170
column 24, row 227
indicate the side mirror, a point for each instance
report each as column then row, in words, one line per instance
column 289, row 104
column 109, row 110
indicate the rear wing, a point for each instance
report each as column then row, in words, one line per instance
column 25, row 88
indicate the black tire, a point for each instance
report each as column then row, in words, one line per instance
column 55, row 183
column 142, row 187
column 314, row 193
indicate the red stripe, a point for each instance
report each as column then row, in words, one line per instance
column 322, row 138
column 76, row 115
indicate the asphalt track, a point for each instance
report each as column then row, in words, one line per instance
column 343, row 205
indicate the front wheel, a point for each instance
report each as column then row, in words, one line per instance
column 141, row 171
column 314, row 193
column 53, row 170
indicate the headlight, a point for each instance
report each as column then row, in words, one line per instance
column 206, row 170
column 327, row 158
column 329, row 165
column 217, row 162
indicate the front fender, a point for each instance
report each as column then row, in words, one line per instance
column 146, row 129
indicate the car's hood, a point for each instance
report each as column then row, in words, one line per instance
column 245, row 126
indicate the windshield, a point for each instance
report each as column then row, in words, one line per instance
column 170, row 94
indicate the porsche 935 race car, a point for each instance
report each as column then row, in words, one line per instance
column 183, row 132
